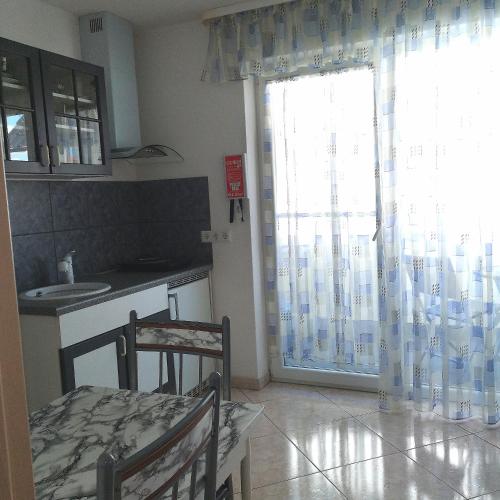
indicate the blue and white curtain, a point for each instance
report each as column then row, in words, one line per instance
column 436, row 79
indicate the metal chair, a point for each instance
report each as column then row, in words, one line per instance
column 160, row 469
column 180, row 338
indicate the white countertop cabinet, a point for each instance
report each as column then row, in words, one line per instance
column 190, row 302
column 44, row 336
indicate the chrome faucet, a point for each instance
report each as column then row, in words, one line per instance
column 65, row 267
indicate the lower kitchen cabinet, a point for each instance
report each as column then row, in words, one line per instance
column 92, row 339
column 45, row 336
column 191, row 302
column 98, row 361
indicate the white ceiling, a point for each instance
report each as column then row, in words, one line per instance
column 144, row 13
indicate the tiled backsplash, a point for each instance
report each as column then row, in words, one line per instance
column 107, row 223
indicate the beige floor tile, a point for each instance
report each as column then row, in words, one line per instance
column 473, row 425
column 313, row 487
column 353, row 402
column 302, row 414
column 274, row 459
column 468, row 464
column 491, row 435
column 340, row 443
column 489, row 496
column 410, row 428
column 394, row 477
column 238, row 395
column 277, row 390
column 263, row 427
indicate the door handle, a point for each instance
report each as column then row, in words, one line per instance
column 123, row 350
column 54, row 157
column 176, row 302
column 44, row 155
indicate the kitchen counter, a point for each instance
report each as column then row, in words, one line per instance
column 122, row 283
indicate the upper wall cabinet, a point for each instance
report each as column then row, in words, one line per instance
column 76, row 113
column 22, row 110
column 54, row 114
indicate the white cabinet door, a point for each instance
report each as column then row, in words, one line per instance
column 193, row 303
column 98, row 367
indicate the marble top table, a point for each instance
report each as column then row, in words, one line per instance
column 69, row 434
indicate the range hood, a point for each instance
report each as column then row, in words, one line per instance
column 108, row 41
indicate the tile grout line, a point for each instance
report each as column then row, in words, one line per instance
column 397, row 450
column 307, row 458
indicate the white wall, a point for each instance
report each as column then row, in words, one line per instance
column 41, row 25
column 204, row 122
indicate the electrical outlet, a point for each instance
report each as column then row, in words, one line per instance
column 226, row 236
column 206, row 236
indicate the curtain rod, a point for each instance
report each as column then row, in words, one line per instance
column 236, row 8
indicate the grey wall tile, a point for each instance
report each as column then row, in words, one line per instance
column 127, row 198
column 29, row 207
column 104, row 208
column 70, row 205
column 107, row 223
column 34, row 260
column 178, row 241
column 191, row 201
column 174, row 200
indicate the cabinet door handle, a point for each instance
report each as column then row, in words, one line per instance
column 44, row 155
column 123, row 351
column 176, row 301
column 54, row 156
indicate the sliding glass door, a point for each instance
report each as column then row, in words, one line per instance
column 321, row 134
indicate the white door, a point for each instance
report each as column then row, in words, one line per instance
column 98, row 367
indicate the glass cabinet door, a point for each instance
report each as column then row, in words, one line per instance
column 76, row 116
column 22, row 124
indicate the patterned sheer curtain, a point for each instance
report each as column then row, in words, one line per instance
column 321, row 128
column 437, row 75
column 439, row 240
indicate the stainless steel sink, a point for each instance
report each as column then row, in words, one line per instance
column 63, row 292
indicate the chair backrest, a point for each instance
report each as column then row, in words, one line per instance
column 169, row 467
column 180, row 338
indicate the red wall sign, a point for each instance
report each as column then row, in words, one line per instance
column 235, row 176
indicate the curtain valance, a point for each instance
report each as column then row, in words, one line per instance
column 321, row 34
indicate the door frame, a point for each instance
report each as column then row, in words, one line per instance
column 16, row 474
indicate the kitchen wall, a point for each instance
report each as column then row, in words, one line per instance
column 107, row 223
column 204, row 122
column 39, row 24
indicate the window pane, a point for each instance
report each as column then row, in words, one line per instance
column 86, row 90
column 20, row 135
column 15, row 81
column 91, row 143
column 67, row 140
column 61, row 87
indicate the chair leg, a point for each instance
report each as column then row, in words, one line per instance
column 225, row 492
column 229, row 484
